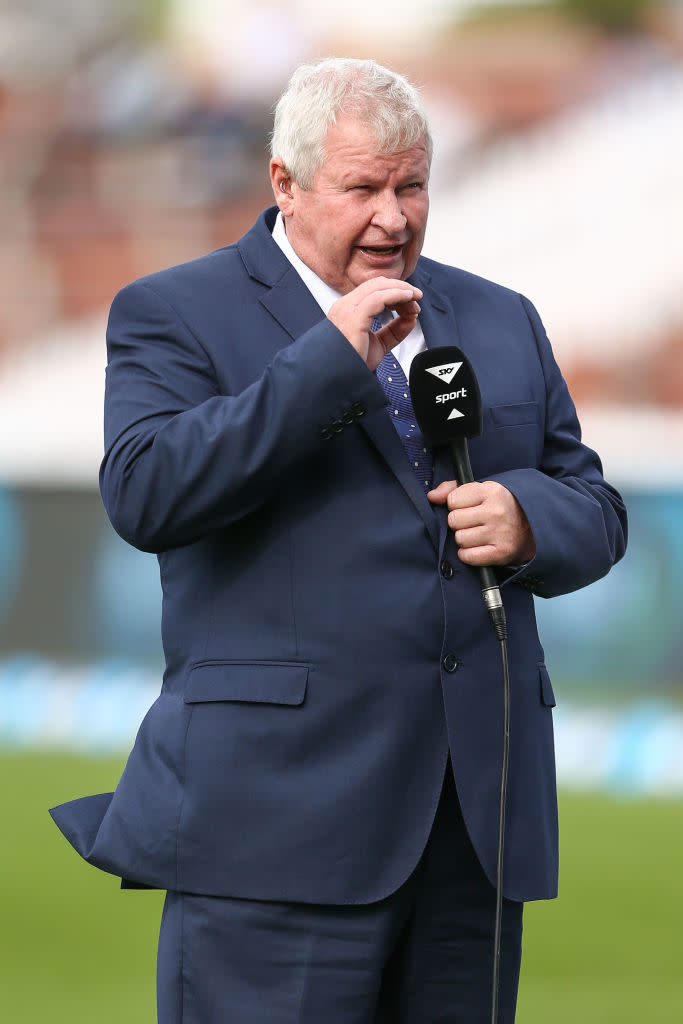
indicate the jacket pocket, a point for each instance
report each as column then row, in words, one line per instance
column 261, row 682
column 547, row 695
column 514, row 415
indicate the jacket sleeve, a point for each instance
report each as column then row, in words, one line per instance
column 578, row 520
column 181, row 458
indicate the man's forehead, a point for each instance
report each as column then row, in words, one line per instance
column 380, row 167
column 353, row 143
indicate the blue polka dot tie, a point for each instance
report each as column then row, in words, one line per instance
column 395, row 384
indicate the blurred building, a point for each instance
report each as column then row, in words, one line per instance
column 559, row 156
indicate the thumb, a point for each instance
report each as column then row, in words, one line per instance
column 439, row 495
column 399, row 327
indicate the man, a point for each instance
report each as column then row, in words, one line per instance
column 317, row 785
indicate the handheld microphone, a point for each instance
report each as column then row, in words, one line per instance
column 447, row 403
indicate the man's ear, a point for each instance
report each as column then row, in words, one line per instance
column 281, row 182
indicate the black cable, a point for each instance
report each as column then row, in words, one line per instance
column 501, row 820
column 494, row 603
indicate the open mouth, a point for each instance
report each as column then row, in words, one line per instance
column 381, row 250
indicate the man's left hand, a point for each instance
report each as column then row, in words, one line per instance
column 488, row 523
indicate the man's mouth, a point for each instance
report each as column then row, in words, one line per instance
column 381, row 250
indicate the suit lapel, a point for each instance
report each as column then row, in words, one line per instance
column 292, row 305
column 285, row 296
column 382, row 433
column 437, row 319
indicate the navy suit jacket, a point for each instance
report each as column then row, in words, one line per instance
column 297, row 748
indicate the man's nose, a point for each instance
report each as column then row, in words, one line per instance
column 388, row 214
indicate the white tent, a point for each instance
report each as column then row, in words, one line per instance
column 585, row 216
column 51, row 408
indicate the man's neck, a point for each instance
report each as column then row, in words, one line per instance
column 322, row 293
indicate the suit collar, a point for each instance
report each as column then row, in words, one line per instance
column 285, row 295
column 263, row 259
column 438, row 321
column 382, row 433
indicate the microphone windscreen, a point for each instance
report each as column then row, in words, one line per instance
column 445, row 395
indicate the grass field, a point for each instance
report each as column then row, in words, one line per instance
column 74, row 948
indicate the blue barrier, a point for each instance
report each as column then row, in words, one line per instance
column 75, row 597
column 634, row 749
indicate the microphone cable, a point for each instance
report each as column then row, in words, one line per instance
column 494, row 603
column 502, row 802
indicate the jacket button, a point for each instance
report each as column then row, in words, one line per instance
column 358, row 409
column 326, row 433
column 347, row 418
column 447, row 569
column 337, row 426
column 450, row 663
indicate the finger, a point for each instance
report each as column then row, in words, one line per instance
column 393, row 333
column 408, row 313
column 402, row 298
column 484, row 555
column 408, row 310
column 473, row 537
column 439, row 495
column 467, row 496
column 401, row 289
column 380, row 283
column 468, row 519
column 411, row 308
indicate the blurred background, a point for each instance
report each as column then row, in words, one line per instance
column 133, row 136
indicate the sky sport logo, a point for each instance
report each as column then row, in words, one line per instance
column 462, row 393
column 446, row 372
column 446, row 396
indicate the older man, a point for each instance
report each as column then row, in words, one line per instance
column 317, row 784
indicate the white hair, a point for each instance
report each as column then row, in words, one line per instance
column 319, row 93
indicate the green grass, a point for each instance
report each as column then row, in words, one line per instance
column 74, row 948
column 609, row 950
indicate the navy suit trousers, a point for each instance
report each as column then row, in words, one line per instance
column 421, row 956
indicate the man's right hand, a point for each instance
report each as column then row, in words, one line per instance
column 353, row 315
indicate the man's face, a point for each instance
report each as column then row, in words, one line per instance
column 365, row 215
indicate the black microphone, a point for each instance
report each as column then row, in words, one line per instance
column 447, row 404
